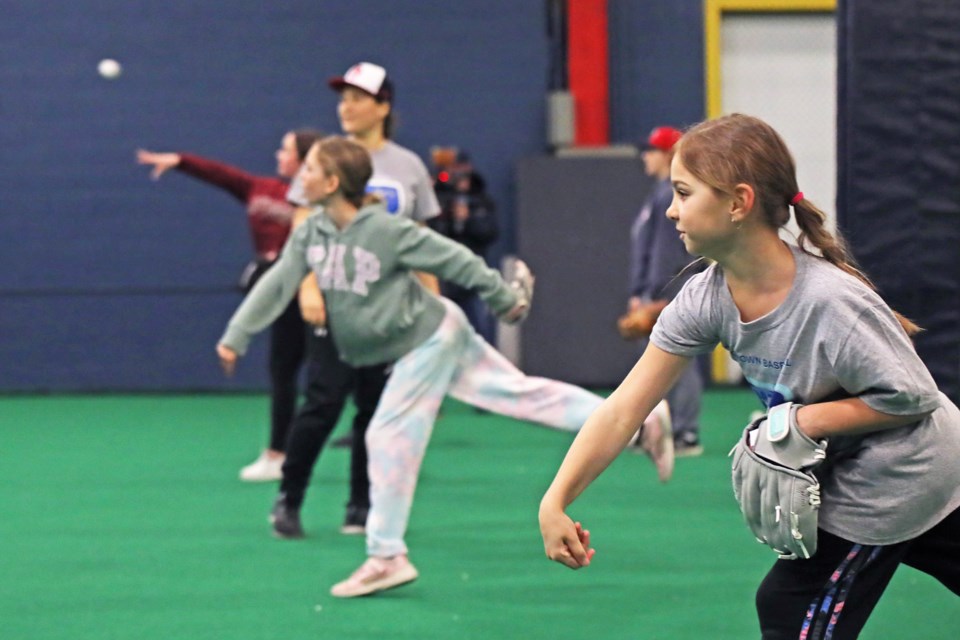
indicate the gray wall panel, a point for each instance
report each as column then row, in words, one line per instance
column 573, row 228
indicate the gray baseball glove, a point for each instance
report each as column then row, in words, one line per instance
column 773, row 481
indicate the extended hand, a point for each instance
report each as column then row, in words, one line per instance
column 518, row 313
column 162, row 162
column 228, row 359
column 564, row 540
column 314, row 312
column 313, row 309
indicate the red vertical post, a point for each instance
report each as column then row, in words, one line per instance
column 588, row 66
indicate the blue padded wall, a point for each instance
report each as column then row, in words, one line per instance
column 656, row 66
column 111, row 281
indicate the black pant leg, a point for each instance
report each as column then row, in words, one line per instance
column 287, row 352
column 937, row 552
column 830, row 595
column 369, row 388
column 329, row 381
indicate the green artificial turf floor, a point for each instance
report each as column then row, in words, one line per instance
column 122, row 517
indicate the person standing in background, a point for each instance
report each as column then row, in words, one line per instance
column 269, row 216
column 658, row 270
column 468, row 216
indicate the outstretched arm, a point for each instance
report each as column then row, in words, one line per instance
column 428, row 280
column 604, row 435
column 265, row 302
column 422, row 249
column 235, row 181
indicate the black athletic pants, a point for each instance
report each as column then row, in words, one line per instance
column 330, row 381
column 287, row 352
column 831, row 595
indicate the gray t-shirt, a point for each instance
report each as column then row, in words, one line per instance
column 399, row 178
column 833, row 338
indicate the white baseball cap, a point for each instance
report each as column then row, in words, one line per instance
column 368, row 77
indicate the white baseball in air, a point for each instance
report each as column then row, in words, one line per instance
column 109, row 68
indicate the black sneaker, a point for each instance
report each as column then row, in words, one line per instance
column 285, row 521
column 355, row 521
column 687, row 445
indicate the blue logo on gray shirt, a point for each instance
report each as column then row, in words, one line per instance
column 390, row 196
column 770, row 394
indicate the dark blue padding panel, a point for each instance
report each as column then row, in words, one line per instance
column 121, row 342
column 899, row 163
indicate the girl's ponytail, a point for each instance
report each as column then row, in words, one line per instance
column 833, row 249
column 738, row 148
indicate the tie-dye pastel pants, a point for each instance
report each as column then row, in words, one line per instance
column 455, row 360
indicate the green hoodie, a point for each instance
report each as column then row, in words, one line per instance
column 377, row 310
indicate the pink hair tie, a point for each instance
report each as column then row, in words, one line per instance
column 797, row 198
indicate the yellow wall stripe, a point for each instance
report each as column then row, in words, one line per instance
column 722, row 367
column 713, row 15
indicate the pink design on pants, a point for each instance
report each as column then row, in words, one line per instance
column 457, row 361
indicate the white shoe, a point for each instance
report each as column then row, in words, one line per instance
column 655, row 438
column 263, row 469
column 376, row 574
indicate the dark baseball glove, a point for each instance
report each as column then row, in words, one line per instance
column 639, row 323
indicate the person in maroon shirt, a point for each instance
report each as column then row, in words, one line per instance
column 270, row 217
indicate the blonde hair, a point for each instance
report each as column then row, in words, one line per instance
column 351, row 163
column 736, row 149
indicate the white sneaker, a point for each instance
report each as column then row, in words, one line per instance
column 655, row 438
column 263, row 469
column 376, row 574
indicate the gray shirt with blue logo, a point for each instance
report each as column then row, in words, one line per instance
column 833, row 338
column 399, row 178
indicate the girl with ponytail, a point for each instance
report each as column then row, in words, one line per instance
column 381, row 318
column 807, row 328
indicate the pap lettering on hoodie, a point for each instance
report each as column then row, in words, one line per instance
column 329, row 263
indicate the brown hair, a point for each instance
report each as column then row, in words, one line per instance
column 390, row 122
column 303, row 139
column 385, row 95
column 736, row 149
column 350, row 162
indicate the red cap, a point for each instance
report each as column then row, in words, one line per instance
column 663, row 138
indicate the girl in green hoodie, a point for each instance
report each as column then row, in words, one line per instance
column 377, row 312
